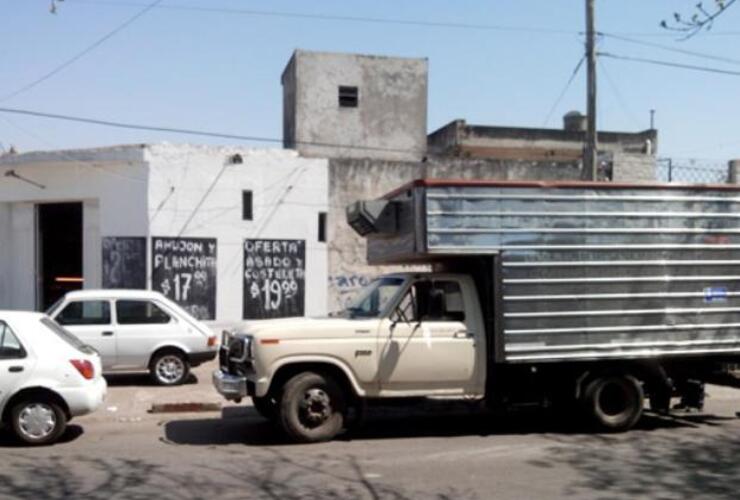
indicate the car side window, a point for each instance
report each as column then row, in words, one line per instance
column 85, row 312
column 440, row 301
column 10, row 346
column 140, row 312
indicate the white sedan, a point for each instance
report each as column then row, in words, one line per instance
column 137, row 330
column 47, row 376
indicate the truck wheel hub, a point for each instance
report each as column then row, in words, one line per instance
column 316, row 406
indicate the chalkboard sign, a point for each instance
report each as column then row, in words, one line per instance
column 184, row 270
column 124, row 262
column 274, row 278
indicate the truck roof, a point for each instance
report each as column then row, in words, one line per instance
column 566, row 184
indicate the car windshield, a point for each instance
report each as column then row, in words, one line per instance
column 66, row 336
column 372, row 301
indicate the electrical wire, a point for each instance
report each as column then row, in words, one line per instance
column 82, row 53
column 671, row 49
column 669, row 64
column 328, row 17
column 622, row 102
column 183, row 131
column 565, row 89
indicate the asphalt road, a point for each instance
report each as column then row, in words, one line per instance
column 427, row 451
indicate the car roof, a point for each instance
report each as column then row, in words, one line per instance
column 113, row 294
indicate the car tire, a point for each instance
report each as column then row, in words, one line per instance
column 266, row 406
column 311, row 408
column 169, row 368
column 614, row 403
column 38, row 422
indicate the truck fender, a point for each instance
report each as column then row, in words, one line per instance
column 318, row 360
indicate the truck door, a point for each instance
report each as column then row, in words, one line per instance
column 428, row 346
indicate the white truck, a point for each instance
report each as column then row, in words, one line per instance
column 588, row 296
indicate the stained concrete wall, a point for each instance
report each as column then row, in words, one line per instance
column 350, row 180
column 638, row 168
column 390, row 121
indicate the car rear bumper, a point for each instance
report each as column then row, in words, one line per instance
column 198, row 358
column 231, row 387
column 85, row 399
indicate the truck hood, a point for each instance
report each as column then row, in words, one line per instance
column 308, row 327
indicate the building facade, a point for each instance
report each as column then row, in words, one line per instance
column 355, row 106
column 230, row 233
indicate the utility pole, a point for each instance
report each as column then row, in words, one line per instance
column 590, row 162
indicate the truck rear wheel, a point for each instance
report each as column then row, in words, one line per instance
column 614, row 403
column 312, row 408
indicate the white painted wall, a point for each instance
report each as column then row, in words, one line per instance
column 110, row 182
column 166, row 190
column 195, row 192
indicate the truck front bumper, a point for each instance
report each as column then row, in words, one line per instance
column 231, row 387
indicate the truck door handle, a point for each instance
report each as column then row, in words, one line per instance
column 463, row 334
column 15, row 369
column 107, row 334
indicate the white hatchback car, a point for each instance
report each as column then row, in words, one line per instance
column 137, row 330
column 47, row 376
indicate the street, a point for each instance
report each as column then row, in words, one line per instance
column 427, row 451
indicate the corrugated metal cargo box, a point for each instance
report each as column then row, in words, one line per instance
column 589, row 270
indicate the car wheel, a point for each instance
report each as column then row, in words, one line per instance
column 614, row 403
column 312, row 408
column 266, row 406
column 38, row 421
column 169, row 368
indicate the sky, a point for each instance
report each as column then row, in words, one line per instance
column 220, row 71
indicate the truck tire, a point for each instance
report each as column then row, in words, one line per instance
column 311, row 408
column 614, row 403
column 266, row 407
column 38, row 421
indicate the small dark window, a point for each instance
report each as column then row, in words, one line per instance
column 247, row 205
column 10, row 347
column 88, row 312
column 139, row 312
column 322, row 226
column 348, row 97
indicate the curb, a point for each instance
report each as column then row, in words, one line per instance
column 184, row 407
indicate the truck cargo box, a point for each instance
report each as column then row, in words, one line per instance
column 586, row 270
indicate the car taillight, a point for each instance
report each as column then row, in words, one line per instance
column 85, row 367
column 212, row 341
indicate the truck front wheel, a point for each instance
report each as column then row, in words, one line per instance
column 312, row 408
column 614, row 403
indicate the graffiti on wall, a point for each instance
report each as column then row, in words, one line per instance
column 346, row 286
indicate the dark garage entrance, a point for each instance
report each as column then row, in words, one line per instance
column 59, row 244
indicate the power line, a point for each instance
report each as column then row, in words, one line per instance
column 672, row 49
column 328, row 17
column 565, row 89
column 622, row 102
column 670, row 64
column 83, row 52
column 220, row 135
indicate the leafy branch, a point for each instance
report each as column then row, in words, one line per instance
column 702, row 18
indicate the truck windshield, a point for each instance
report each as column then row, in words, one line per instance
column 374, row 298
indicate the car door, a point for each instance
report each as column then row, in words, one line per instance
column 15, row 363
column 427, row 346
column 91, row 322
column 142, row 326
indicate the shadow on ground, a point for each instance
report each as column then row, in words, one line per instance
column 139, row 379
column 8, row 440
column 243, row 425
column 275, row 475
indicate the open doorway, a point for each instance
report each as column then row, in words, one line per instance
column 59, row 244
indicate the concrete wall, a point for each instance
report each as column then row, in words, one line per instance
column 195, row 191
column 111, row 184
column 391, row 118
column 628, row 167
column 350, row 180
